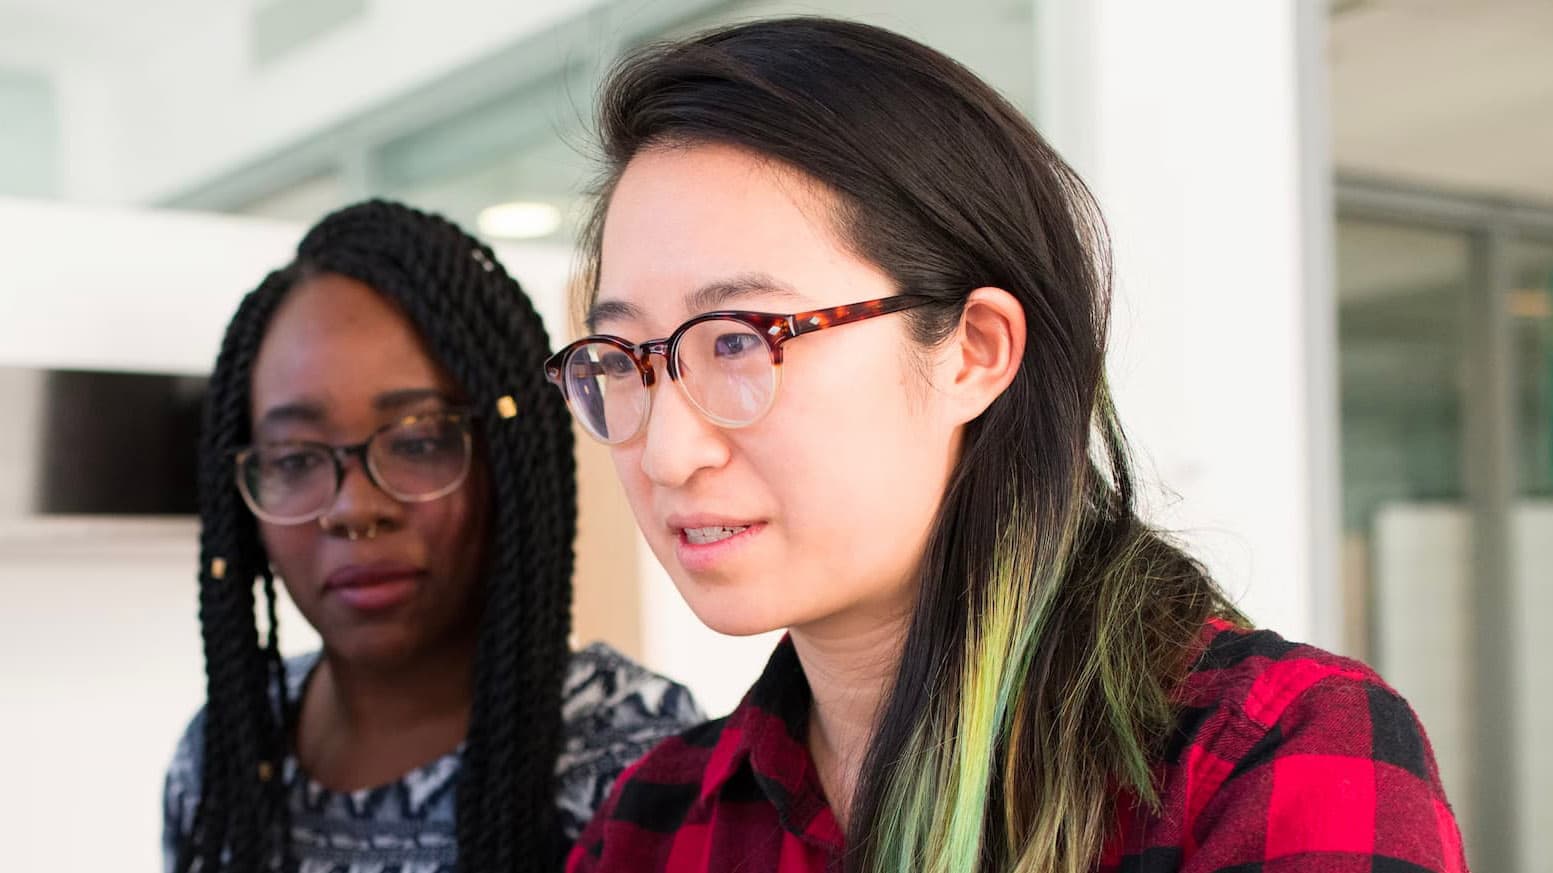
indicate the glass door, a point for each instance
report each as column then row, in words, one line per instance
column 1404, row 293
column 1445, row 343
column 1529, row 304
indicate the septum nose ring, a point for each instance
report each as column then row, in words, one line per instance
column 352, row 534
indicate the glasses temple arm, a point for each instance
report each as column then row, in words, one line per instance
column 801, row 323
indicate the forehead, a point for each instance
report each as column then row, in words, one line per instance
column 334, row 340
column 685, row 216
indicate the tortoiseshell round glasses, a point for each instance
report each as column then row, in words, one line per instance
column 727, row 364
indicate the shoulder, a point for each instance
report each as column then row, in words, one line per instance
column 1249, row 684
column 181, row 789
column 1260, row 674
column 298, row 669
column 1302, row 752
column 604, row 689
column 614, row 711
column 183, row 772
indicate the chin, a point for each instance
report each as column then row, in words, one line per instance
column 731, row 611
column 376, row 647
column 742, row 626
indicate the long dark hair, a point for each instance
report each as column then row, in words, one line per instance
column 483, row 330
column 1052, row 626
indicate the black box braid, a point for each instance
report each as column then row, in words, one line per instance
column 485, row 332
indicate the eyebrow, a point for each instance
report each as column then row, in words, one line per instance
column 300, row 412
column 311, row 412
column 393, row 401
column 711, row 296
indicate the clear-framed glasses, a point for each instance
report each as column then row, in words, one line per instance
column 414, row 460
column 728, row 365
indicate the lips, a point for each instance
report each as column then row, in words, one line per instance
column 367, row 575
column 708, row 543
column 373, row 587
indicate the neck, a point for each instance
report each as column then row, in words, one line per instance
column 363, row 724
column 373, row 698
column 850, row 668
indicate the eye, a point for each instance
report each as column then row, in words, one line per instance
column 417, row 448
column 426, row 442
column 292, row 464
column 617, row 365
column 733, row 345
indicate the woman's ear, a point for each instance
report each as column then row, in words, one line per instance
column 983, row 355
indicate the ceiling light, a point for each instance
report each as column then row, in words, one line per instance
column 519, row 220
column 1530, row 303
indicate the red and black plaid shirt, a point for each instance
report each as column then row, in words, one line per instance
column 1286, row 759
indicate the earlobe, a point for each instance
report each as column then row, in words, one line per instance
column 989, row 348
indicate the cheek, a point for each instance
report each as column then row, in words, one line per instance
column 857, row 410
column 634, row 482
column 861, row 465
column 453, row 529
column 292, row 549
column 866, row 480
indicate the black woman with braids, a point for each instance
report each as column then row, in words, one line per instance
column 379, row 437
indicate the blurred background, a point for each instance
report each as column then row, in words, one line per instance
column 1333, row 230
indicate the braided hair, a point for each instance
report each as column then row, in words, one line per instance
column 483, row 330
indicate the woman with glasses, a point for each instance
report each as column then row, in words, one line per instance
column 847, row 317
column 379, row 437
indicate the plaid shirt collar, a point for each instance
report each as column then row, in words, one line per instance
column 765, row 742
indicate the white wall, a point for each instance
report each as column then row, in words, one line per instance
column 124, row 289
column 118, row 288
column 21, row 394
column 102, row 668
column 100, row 656
column 1184, row 119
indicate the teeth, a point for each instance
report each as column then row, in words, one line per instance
column 701, row 536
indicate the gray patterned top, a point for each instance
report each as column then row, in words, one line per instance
column 614, row 711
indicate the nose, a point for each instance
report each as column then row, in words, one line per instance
column 679, row 441
column 360, row 504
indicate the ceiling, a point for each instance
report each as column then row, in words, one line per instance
column 43, row 34
column 77, row 14
column 1453, row 94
